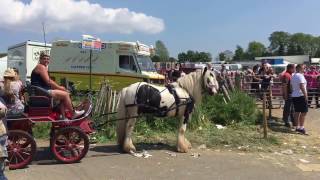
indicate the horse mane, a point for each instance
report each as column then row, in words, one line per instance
column 192, row 83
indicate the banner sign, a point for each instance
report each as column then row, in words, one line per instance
column 90, row 42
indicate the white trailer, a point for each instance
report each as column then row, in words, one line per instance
column 25, row 56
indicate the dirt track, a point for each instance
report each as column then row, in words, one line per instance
column 105, row 162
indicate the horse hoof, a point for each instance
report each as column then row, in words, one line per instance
column 129, row 149
column 183, row 149
column 188, row 144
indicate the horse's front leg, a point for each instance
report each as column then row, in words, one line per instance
column 128, row 146
column 183, row 145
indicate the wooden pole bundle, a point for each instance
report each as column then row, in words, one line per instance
column 106, row 101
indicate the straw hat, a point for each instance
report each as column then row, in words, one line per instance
column 9, row 73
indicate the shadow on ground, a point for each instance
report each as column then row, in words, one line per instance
column 116, row 150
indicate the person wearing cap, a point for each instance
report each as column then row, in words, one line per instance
column 12, row 89
column 40, row 78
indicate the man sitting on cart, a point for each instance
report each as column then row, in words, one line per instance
column 40, row 78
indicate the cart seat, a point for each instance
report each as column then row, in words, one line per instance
column 40, row 102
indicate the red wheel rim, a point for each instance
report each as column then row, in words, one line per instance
column 21, row 148
column 70, row 145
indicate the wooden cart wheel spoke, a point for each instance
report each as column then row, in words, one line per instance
column 61, row 146
column 61, row 149
column 20, row 156
column 26, row 153
column 11, row 157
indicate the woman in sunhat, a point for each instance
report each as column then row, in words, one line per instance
column 12, row 89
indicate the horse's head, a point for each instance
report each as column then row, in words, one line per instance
column 210, row 83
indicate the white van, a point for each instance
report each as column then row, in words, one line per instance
column 119, row 63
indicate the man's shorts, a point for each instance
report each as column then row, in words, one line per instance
column 300, row 104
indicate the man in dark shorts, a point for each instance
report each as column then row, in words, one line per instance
column 288, row 110
column 299, row 97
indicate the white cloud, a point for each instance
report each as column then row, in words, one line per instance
column 73, row 15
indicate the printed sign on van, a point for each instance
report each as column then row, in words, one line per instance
column 90, row 42
column 37, row 51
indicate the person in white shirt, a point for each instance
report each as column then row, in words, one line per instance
column 299, row 97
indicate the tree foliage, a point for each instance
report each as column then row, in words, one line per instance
column 222, row 56
column 194, row 56
column 279, row 41
column 239, row 54
column 155, row 58
column 161, row 51
column 172, row 59
column 281, row 44
column 284, row 43
column 255, row 49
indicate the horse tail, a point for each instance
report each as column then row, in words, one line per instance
column 121, row 114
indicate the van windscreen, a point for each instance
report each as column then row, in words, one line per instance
column 145, row 63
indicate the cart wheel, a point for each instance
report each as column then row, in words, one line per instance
column 69, row 145
column 21, row 149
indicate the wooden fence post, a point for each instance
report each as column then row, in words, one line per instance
column 265, row 124
column 270, row 102
column 238, row 80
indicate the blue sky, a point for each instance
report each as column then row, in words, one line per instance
column 202, row 25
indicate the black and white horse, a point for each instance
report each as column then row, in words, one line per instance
column 176, row 99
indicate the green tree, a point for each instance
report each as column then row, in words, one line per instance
column 191, row 56
column 182, row 57
column 292, row 49
column 279, row 41
column 255, row 49
column 155, row 58
column 194, row 56
column 300, row 50
column 205, row 57
column 317, row 54
column 297, row 43
column 239, row 54
column 222, row 57
column 172, row 59
column 162, row 51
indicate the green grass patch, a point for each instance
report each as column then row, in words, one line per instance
column 41, row 130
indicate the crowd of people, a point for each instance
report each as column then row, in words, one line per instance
column 300, row 85
column 173, row 74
